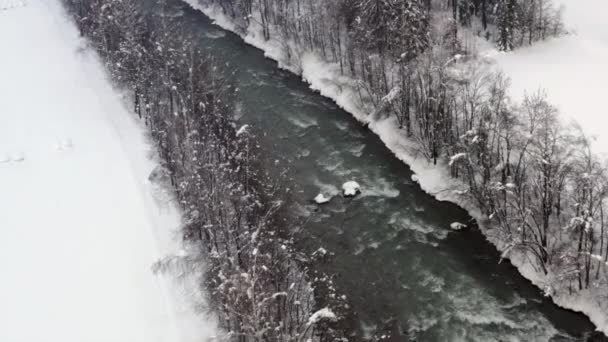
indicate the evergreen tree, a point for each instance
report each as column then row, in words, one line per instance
column 395, row 26
column 466, row 9
column 507, row 22
column 414, row 27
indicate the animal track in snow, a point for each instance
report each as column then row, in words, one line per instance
column 10, row 4
column 17, row 157
column 64, row 144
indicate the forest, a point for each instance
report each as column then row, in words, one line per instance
column 235, row 226
column 535, row 178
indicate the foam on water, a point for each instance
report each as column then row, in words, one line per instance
column 304, row 153
column 403, row 221
column 357, row 150
column 469, row 314
column 326, row 188
column 331, row 163
column 374, row 245
column 302, row 210
column 432, row 282
column 341, row 125
column 380, row 187
column 238, row 110
column 302, row 121
column 215, row 34
column 420, row 322
column 478, row 310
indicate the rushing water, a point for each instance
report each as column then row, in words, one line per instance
column 396, row 258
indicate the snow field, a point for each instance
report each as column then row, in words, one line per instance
column 11, row 4
column 573, row 69
column 80, row 224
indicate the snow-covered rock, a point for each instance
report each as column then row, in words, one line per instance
column 351, row 188
column 320, row 252
column 457, row 226
column 322, row 199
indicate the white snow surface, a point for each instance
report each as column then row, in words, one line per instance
column 80, row 225
column 325, row 78
column 573, row 70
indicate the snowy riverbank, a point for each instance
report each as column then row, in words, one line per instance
column 325, row 78
column 81, row 224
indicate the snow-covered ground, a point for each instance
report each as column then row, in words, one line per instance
column 80, row 224
column 573, row 69
column 557, row 61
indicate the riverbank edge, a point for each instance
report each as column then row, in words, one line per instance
column 326, row 79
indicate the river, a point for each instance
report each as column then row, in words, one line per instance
column 395, row 256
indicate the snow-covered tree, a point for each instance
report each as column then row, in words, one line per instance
column 507, row 21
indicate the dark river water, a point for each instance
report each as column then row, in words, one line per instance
column 396, row 258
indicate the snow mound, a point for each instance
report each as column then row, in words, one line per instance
column 351, row 189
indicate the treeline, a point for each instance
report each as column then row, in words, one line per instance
column 509, row 23
column 350, row 31
column 535, row 179
column 532, row 177
column 234, row 226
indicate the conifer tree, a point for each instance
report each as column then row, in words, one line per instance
column 506, row 22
